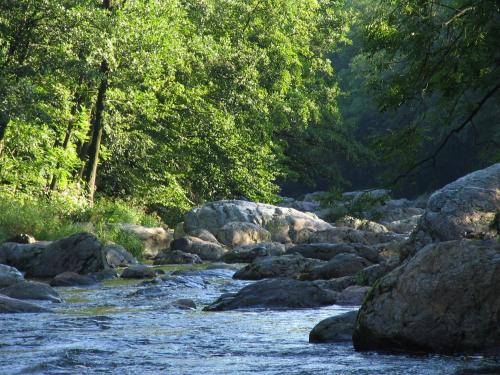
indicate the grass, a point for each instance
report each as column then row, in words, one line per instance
column 57, row 217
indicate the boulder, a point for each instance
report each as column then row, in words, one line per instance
column 204, row 235
column 466, row 208
column 184, row 304
column 403, row 226
column 154, row 240
column 31, row 290
column 237, row 233
column 445, row 299
column 281, row 266
column 285, row 224
column 345, row 235
column 321, row 251
column 369, row 275
column 9, row 275
column 177, row 257
column 80, row 253
column 179, row 231
column 270, row 294
column 12, row 305
column 204, row 249
column 248, row 253
column 138, row 271
column 341, row 265
column 337, row 328
column 352, row 295
column 117, row 256
column 361, row 224
column 72, row 279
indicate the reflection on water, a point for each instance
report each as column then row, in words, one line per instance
column 115, row 329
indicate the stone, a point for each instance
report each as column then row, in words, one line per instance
column 321, row 251
column 204, row 235
column 338, row 284
column 138, row 271
column 275, row 294
column 337, row 328
column 352, row 295
column 12, row 305
column 281, row 266
column 9, row 275
column 403, row 226
column 248, row 253
column 31, row 290
column 237, row 233
column 361, row 224
column 177, row 257
column 117, row 256
column 184, row 304
column 180, row 232
column 155, row 240
column 369, row 275
column 445, row 299
column 72, row 279
column 345, row 235
column 205, row 250
column 341, row 265
column 285, row 224
column 80, row 253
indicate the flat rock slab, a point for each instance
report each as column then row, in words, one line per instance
column 11, row 305
column 31, row 290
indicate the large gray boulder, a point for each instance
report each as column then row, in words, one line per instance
column 117, row 256
column 155, row 240
column 72, row 279
column 352, row 295
column 337, row 328
column 138, row 271
column 81, row 253
column 248, row 253
column 9, row 275
column 467, row 208
column 341, row 265
column 177, row 257
column 204, row 249
column 445, row 299
column 327, row 251
column 276, row 294
column 31, row 290
column 11, row 305
column 285, row 224
column 238, row 233
column 277, row 266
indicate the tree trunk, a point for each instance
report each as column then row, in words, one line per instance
column 97, row 125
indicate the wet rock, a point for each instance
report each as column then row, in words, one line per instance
column 9, row 275
column 283, row 266
column 248, row 253
column 12, row 305
column 117, row 256
column 337, row 328
column 352, row 295
column 205, row 250
column 177, row 257
column 138, row 271
column 340, row 265
column 80, row 253
column 31, row 290
column 72, row 279
column 184, row 304
column 445, row 299
column 275, row 294
column 285, row 224
column 154, row 240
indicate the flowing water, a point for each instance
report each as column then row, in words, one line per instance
column 129, row 328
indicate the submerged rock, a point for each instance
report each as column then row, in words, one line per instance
column 276, row 294
column 337, row 328
column 445, row 299
column 72, row 279
column 12, row 305
column 31, row 290
column 282, row 266
column 138, row 271
column 184, row 304
column 9, row 275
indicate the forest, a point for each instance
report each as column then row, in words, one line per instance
column 298, row 130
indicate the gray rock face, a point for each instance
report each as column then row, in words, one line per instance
column 445, row 299
column 241, row 233
column 352, row 295
column 117, row 256
column 369, row 275
column 248, row 253
column 9, row 275
column 321, row 251
column 285, row 224
column 337, row 328
column 202, row 234
column 80, row 253
column 177, row 257
column 466, row 208
column 204, row 249
column 345, row 235
column 12, row 305
column 270, row 294
column 340, row 265
column 155, row 240
column 138, row 271
column 361, row 224
column 31, row 290
column 72, row 279
column 281, row 266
